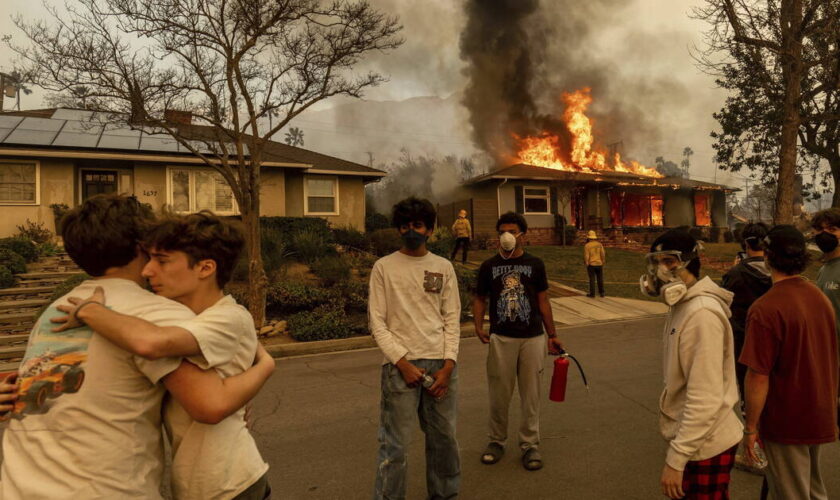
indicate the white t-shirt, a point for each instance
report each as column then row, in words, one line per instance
column 216, row 461
column 88, row 421
column 414, row 308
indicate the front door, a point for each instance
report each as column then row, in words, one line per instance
column 96, row 182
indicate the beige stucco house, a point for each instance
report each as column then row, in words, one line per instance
column 56, row 156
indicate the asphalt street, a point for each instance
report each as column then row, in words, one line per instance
column 317, row 420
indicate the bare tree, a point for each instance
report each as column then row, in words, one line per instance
column 777, row 40
column 231, row 63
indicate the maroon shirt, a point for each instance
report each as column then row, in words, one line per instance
column 791, row 337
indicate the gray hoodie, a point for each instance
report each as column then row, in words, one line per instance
column 697, row 408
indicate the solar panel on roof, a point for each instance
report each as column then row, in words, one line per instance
column 35, row 131
column 79, row 134
column 72, row 114
column 118, row 137
column 7, row 124
column 158, row 142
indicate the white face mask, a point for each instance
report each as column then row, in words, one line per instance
column 507, row 241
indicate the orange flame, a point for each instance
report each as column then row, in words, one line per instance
column 545, row 150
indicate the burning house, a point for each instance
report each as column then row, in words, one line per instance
column 557, row 179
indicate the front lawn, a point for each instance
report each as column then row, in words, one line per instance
column 624, row 267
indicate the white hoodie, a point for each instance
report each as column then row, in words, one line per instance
column 697, row 408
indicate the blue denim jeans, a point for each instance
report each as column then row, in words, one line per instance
column 400, row 405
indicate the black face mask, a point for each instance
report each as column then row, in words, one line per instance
column 413, row 240
column 826, row 242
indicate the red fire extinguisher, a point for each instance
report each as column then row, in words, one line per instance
column 561, row 372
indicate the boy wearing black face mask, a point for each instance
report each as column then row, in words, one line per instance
column 748, row 280
column 414, row 311
column 826, row 224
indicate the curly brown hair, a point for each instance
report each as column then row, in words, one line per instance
column 105, row 231
column 202, row 236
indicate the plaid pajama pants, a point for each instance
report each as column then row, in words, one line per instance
column 709, row 479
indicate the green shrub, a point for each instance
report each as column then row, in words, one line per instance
column 375, row 222
column 467, row 283
column 352, row 294
column 35, row 232
column 59, row 210
column 484, row 241
column 7, row 279
column 12, row 261
column 331, row 269
column 442, row 242
column 322, row 323
column 351, row 237
column 276, row 256
column 23, row 247
column 285, row 297
column 385, row 241
column 48, row 249
column 289, row 226
column 571, row 235
column 276, row 253
column 309, row 246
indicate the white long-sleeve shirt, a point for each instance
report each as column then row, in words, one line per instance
column 414, row 308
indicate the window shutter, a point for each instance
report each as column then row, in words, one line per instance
column 520, row 199
column 552, row 202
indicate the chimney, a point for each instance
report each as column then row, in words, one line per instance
column 178, row 117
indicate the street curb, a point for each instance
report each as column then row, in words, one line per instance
column 367, row 342
column 336, row 345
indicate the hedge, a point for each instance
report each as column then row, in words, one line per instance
column 23, row 247
column 12, row 261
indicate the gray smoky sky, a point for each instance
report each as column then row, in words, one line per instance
column 634, row 54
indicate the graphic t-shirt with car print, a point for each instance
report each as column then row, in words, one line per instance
column 512, row 286
column 87, row 424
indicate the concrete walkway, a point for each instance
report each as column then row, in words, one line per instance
column 581, row 310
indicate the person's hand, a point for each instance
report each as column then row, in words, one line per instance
column 441, row 386
column 483, row 337
column 264, row 358
column 249, row 415
column 410, row 373
column 749, row 447
column 8, row 395
column 555, row 347
column 71, row 320
column 671, row 482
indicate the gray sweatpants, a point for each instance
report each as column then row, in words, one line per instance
column 793, row 471
column 511, row 361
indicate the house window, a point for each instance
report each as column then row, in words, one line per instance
column 636, row 210
column 321, row 195
column 19, row 183
column 536, row 200
column 192, row 190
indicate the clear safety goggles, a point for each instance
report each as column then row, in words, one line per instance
column 672, row 259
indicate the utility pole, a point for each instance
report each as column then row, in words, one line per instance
column 2, row 90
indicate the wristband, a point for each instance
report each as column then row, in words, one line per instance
column 750, row 433
column 79, row 308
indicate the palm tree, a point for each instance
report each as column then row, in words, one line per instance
column 294, row 137
column 13, row 84
column 686, row 163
